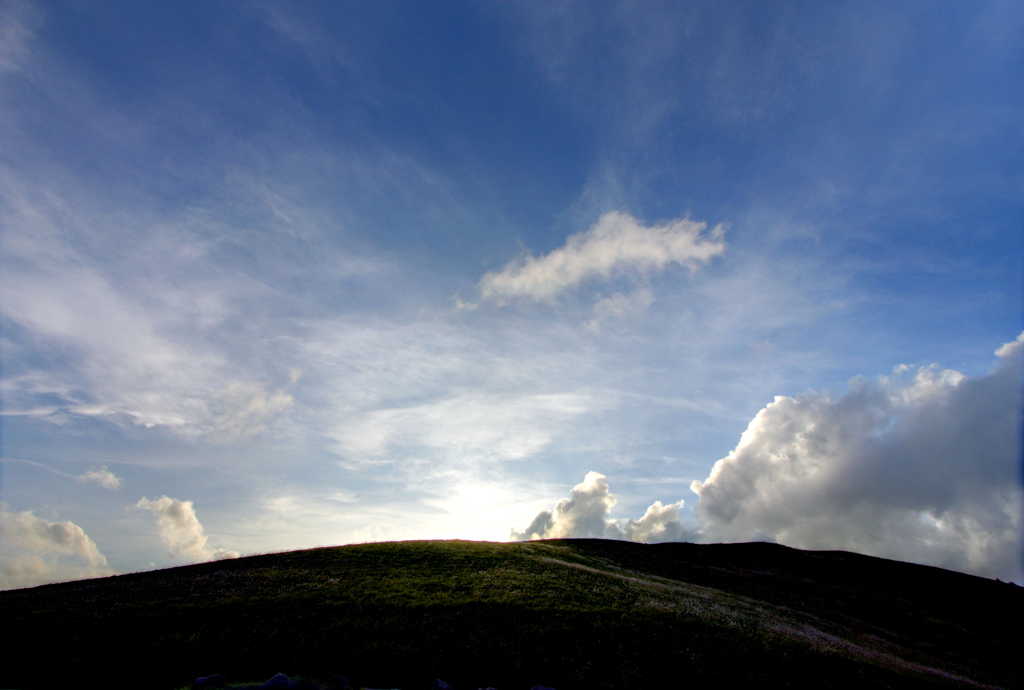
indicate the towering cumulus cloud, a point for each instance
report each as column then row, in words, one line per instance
column 918, row 466
column 180, row 529
column 585, row 514
column 34, row 550
column 617, row 244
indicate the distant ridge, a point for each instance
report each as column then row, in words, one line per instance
column 584, row 613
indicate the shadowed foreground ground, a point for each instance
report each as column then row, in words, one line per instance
column 568, row 613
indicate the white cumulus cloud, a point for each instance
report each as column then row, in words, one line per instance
column 180, row 529
column 102, row 476
column 36, row 551
column 919, row 466
column 585, row 514
column 617, row 244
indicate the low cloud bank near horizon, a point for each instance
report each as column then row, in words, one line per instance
column 920, row 466
column 181, row 531
column 36, row 551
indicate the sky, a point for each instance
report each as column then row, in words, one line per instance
column 280, row 275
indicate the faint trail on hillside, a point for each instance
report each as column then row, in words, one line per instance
column 758, row 615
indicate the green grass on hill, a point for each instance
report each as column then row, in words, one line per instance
column 568, row 614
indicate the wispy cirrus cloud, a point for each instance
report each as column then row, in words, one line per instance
column 619, row 305
column 18, row 23
column 470, row 428
column 430, row 398
column 243, row 410
column 158, row 352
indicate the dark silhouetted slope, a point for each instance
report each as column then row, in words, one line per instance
column 566, row 613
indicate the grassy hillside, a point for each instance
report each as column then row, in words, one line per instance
column 569, row 614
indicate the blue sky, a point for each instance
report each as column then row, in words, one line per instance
column 278, row 275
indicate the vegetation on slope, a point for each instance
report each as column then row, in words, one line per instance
column 568, row 614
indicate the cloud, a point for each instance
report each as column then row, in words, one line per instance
column 38, row 534
column 488, row 427
column 180, row 529
column 919, row 466
column 101, row 476
column 660, row 523
column 245, row 408
column 617, row 244
column 126, row 366
column 585, row 514
column 19, row 22
column 137, row 331
column 36, row 551
column 619, row 305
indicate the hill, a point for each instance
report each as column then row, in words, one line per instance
column 570, row 614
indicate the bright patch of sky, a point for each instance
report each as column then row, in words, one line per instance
column 279, row 275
